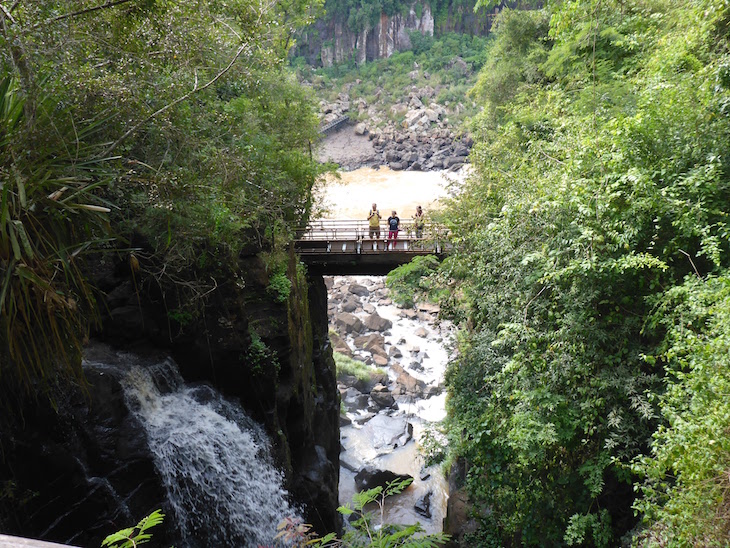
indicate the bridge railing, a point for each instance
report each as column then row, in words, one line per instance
column 354, row 236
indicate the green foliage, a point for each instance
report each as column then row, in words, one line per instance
column 172, row 123
column 411, row 279
column 369, row 530
column 347, row 366
column 601, row 182
column 49, row 220
column 685, row 482
column 260, row 358
column 134, row 536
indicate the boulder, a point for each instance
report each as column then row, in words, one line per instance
column 369, row 478
column 429, row 308
column 423, row 505
column 340, row 345
column 380, row 361
column 421, row 332
column 350, row 304
column 395, row 352
column 349, row 323
column 373, row 343
column 408, row 313
column 361, row 129
column 359, row 289
column 374, row 322
column 354, row 400
column 381, row 396
column 407, row 384
column 387, row 433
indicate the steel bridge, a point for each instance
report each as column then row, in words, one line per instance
column 345, row 247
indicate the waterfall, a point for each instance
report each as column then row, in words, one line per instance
column 213, row 459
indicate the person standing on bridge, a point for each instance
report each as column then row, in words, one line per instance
column 393, row 226
column 374, row 219
column 418, row 222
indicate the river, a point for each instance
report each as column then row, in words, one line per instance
column 350, row 195
column 421, row 340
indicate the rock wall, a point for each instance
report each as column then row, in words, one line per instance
column 331, row 40
column 267, row 351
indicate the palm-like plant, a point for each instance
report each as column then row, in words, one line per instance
column 48, row 218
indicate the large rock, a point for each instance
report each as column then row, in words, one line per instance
column 374, row 322
column 340, row 345
column 381, row 396
column 350, row 304
column 387, row 433
column 407, row 384
column 349, row 323
column 373, row 343
column 369, row 478
column 359, row 289
column 423, row 505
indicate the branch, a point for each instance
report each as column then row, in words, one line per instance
column 177, row 101
column 109, row 4
column 527, row 307
column 7, row 13
column 692, row 263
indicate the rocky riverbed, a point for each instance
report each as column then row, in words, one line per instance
column 413, row 134
column 385, row 415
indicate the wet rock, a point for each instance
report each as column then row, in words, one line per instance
column 408, row 313
column 359, row 289
column 364, row 418
column 354, row 400
column 386, row 433
column 344, row 421
column 367, row 307
column 407, row 384
column 369, row 478
column 350, row 304
column 432, row 391
column 421, row 332
column 423, row 505
column 374, row 322
column 349, row 323
column 340, row 345
column 381, row 396
column 380, row 361
column 395, row 352
column 429, row 308
column 373, row 343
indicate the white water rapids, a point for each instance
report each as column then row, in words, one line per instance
column 213, row 459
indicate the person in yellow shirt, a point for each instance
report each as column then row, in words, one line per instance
column 374, row 219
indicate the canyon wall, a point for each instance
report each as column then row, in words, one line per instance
column 80, row 468
column 332, row 40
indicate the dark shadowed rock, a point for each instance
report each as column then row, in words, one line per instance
column 423, row 505
column 350, row 304
column 369, row 478
column 381, row 396
column 358, row 289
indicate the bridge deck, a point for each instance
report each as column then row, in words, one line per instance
column 350, row 247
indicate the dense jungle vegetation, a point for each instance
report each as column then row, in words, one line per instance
column 173, row 122
column 590, row 393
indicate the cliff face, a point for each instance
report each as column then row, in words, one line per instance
column 332, row 41
column 266, row 349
